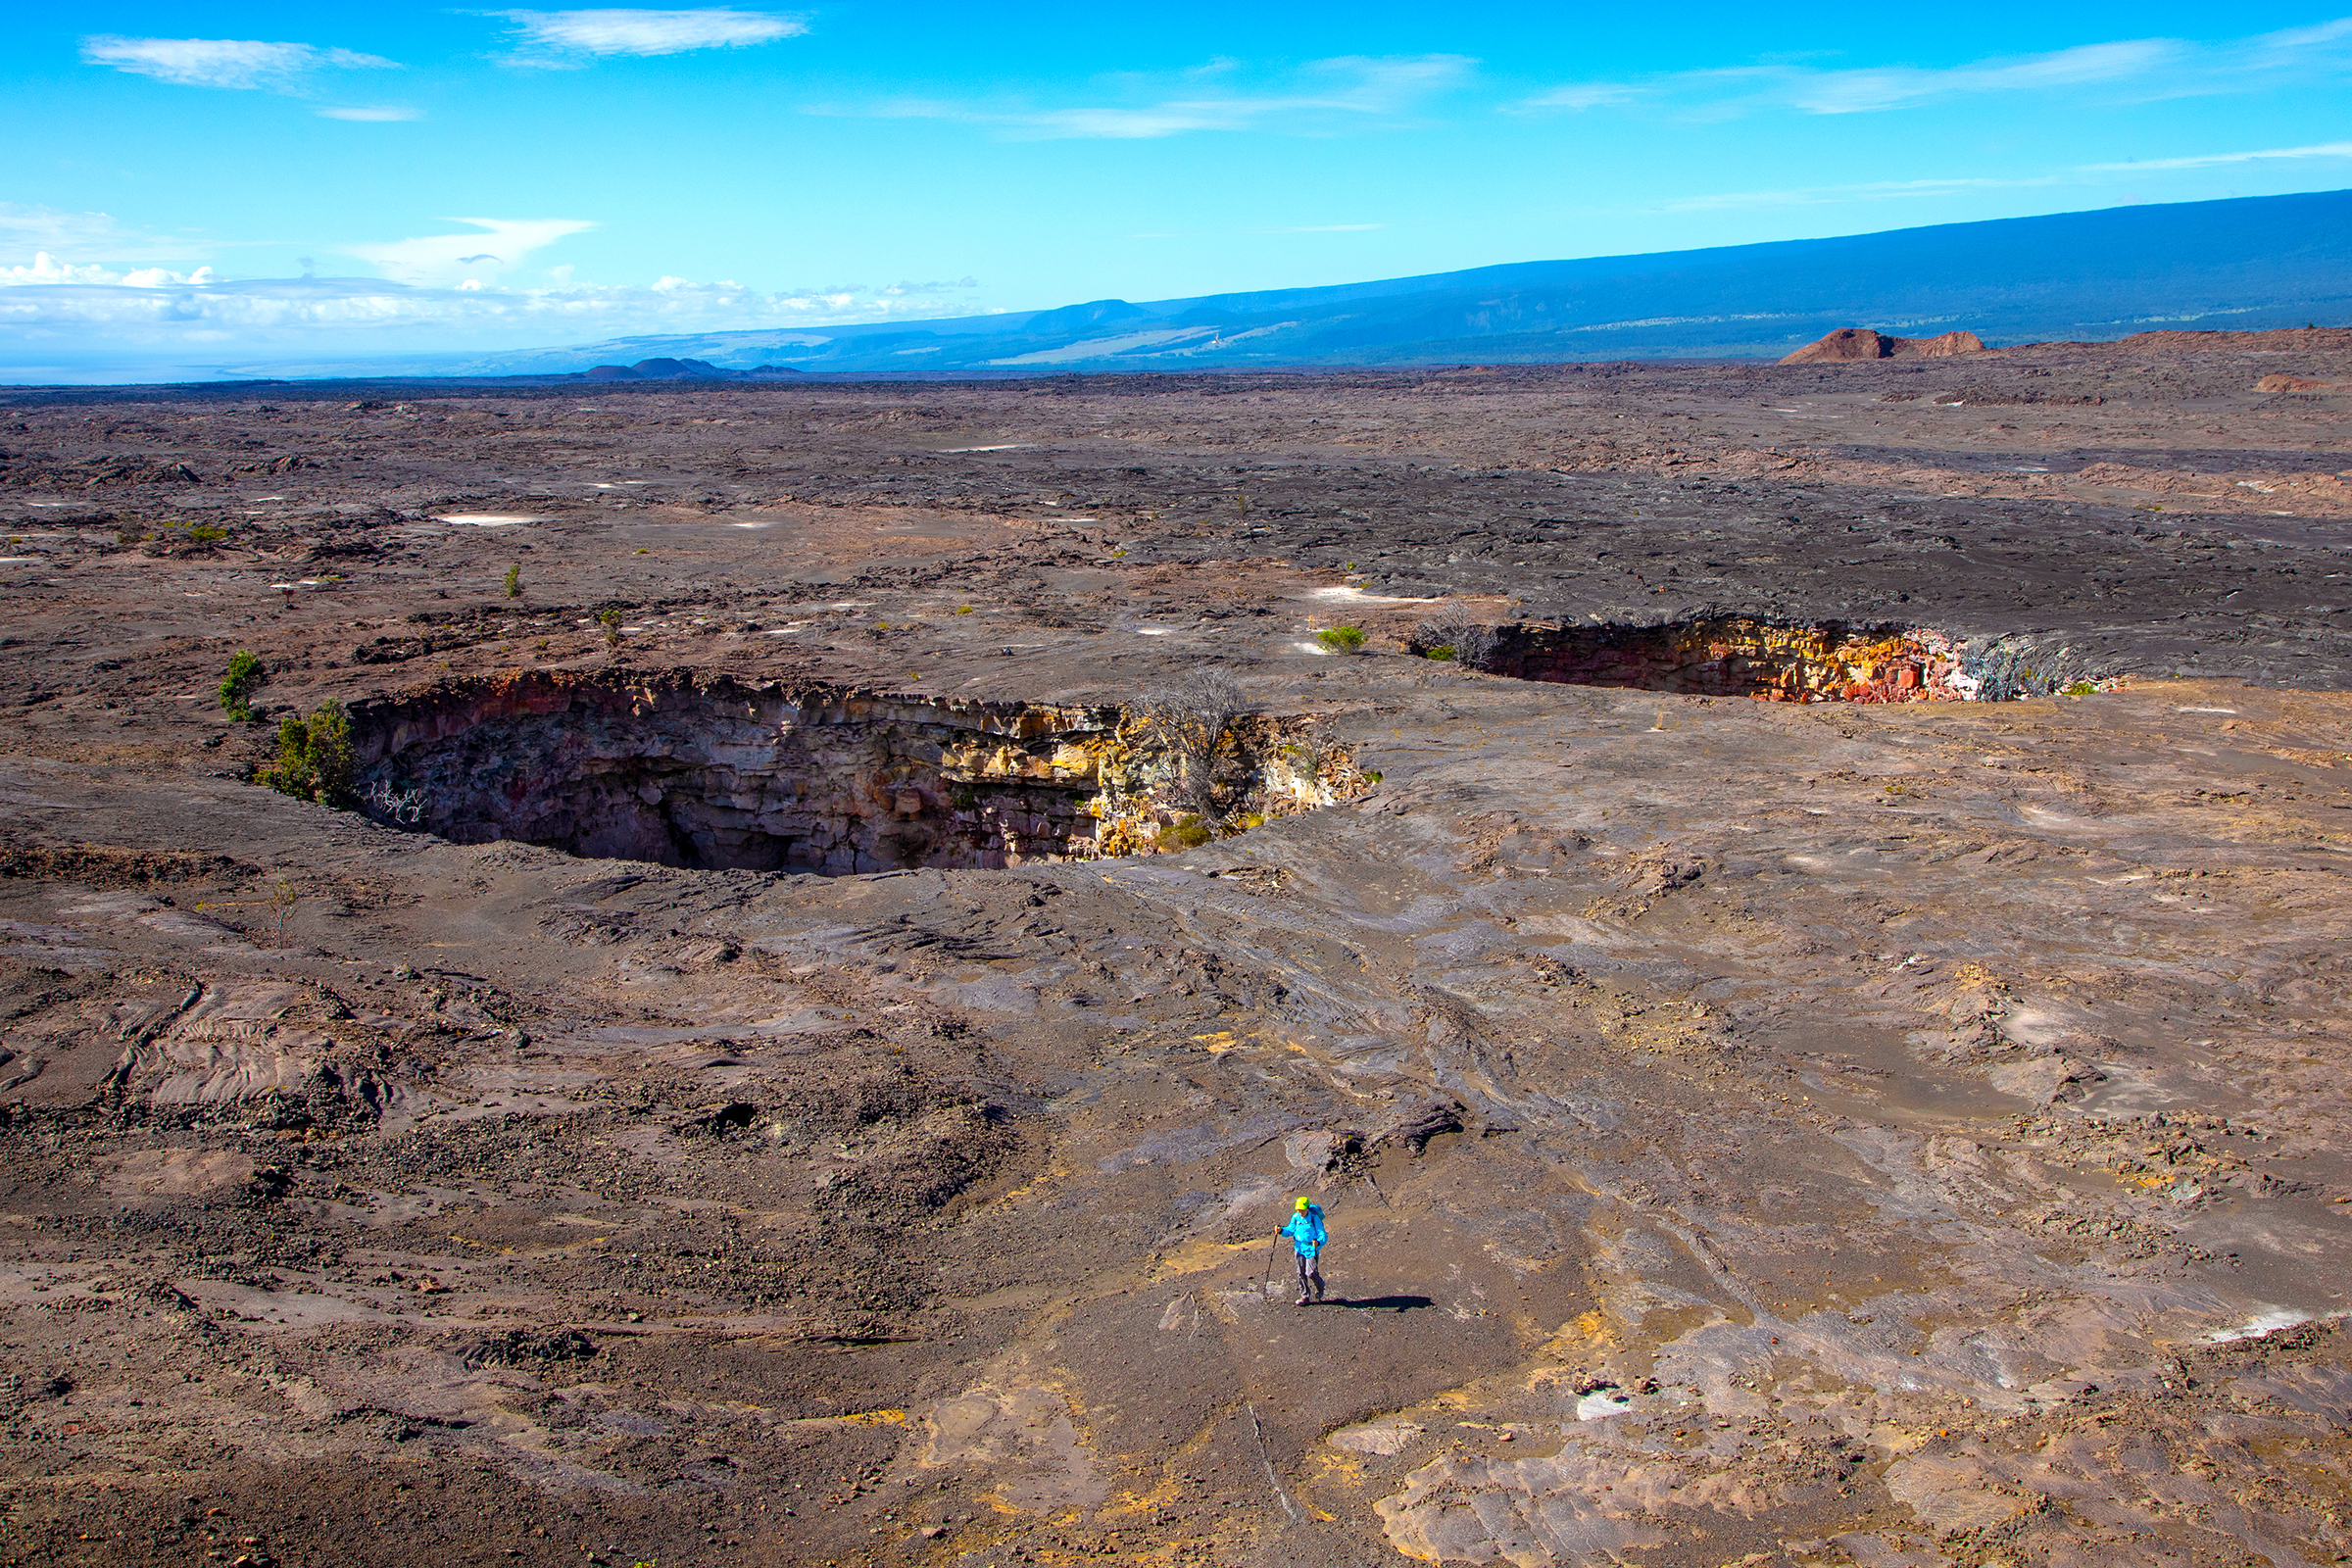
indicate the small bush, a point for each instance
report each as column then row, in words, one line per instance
column 1188, row 832
column 245, row 672
column 609, row 619
column 1450, row 634
column 515, row 580
column 1341, row 639
column 313, row 757
column 204, row 533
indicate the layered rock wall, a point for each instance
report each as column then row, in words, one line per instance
column 1736, row 657
column 714, row 772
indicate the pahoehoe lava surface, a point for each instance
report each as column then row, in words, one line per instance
column 1876, row 1131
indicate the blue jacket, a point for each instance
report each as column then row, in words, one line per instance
column 1306, row 1233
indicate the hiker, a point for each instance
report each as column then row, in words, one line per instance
column 1307, row 1238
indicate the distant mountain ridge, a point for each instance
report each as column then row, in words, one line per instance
column 2246, row 263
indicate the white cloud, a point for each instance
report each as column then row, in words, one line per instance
column 499, row 245
column 22, row 228
column 2325, row 149
column 46, row 269
column 1890, row 189
column 224, row 62
column 1318, row 96
column 571, row 37
column 55, row 307
column 372, row 115
column 2139, row 69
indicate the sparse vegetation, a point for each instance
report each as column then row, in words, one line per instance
column 2017, row 667
column 313, row 757
column 402, row 808
column 1192, row 720
column 1188, row 832
column 205, row 533
column 283, row 897
column 515, row 580
column 1450, row 634
column 1341, row 639
column 609, row 619
column 245, row 672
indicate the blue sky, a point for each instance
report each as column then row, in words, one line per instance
column 269, row 184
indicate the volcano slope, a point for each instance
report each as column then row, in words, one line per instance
column 1891, row 1132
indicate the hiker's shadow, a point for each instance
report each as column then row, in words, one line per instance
column 1381, row 1303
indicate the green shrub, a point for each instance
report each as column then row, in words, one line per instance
column 1341, row 639
column 313, row 757
column 515, row 580
column 2081, row 688
column 1443, row 651
column 609, row 619
column 245, row 672
column 1188, row 832
column 204, row 533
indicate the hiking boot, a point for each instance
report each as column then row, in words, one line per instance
column 1303, row 1300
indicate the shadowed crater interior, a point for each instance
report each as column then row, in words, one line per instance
column 711, row 772
column 1824, row 661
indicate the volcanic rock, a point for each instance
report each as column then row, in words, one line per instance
column 1851, row 343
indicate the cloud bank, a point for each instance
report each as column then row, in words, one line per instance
column 444, row 291
column 246, row 63
column 497, row 245
column 560, row 39
column 1321, row 96
column 2140, row 70
column 50, row 307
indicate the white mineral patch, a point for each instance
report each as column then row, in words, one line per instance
column 1356, row 596
column 2270, row 1320
column 1384, row 1438
column 488, row 520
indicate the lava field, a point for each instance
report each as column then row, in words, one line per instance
column 632, row 973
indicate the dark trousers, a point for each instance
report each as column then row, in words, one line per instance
column 1310, row 1276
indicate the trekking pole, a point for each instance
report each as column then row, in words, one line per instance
column 1267, row 1278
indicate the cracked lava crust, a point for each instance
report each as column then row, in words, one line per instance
column 755, row 1046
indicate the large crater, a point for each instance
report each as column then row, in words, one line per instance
column 713, row 771
column 1739, row 655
